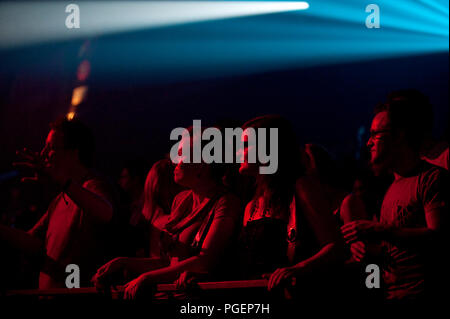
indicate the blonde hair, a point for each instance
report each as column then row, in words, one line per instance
column 159, row 190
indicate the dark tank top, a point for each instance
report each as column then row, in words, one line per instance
column 267, row 243
column 262, row 247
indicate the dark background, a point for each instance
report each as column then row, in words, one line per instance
column 133, row 117
column 324, row 72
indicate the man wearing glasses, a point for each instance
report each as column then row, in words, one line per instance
column 413, row 222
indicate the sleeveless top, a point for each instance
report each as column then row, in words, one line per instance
column 180, row 236
column 186, row 230
column 268, row 243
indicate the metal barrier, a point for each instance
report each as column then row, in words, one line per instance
column 116, row 293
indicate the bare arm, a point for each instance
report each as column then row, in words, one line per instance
column 433, row 192
column 321, row 220
column 21, row 240
column 138, row 266
column 352, row 208
column 91, row 201
column 326, row 254
column 217, row 238
column 195, row 264
column 415, row 236
column 434, row 195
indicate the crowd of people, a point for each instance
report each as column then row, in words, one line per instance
column 299, row 228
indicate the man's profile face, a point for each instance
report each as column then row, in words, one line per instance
column 54, row 154
column 380, row 143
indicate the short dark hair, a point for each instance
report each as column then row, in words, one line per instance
column 409, row 110
column 76, row 136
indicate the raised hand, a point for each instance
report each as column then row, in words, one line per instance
column 41, row 166
column 33, row 161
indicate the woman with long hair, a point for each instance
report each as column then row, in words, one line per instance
column 287, row 231
column 159, row 192
column 200, row 227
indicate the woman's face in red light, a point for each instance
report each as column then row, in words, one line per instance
column 188, row 174
column 247, row 168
